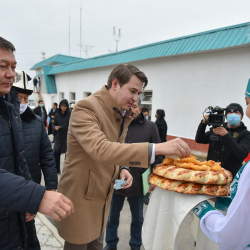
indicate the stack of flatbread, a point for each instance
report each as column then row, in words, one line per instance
column 190, row 176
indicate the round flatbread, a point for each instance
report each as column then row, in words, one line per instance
column 189, row 188
column 194, row 176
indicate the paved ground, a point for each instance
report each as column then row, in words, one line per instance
column 50, row 239
column 46, row 234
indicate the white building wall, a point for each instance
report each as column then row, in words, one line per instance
column 183, row 85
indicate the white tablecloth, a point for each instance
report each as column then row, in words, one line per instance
column 165, row 213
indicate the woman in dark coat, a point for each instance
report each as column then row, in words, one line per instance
column 161, row 124
column 61, row 125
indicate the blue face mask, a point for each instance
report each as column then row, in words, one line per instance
column 233, row 119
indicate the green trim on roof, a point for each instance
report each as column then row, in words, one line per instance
column 49, row 80
column 39, row 74
column 57, row 59
column 222, row 38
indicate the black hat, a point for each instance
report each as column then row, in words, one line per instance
column 234, row 107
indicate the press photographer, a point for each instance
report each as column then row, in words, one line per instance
column 229, row 142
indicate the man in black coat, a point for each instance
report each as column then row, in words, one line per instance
column 37, row 146
column 233, row 143
column 20, row 198
column 161, row 124
column 139, row 130
column 61, row 125
column 52, row 115
column 41, row 111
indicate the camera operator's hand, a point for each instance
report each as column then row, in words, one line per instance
column 206, row 116
column 220, row 131
column 174, row 147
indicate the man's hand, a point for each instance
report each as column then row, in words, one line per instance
column 52, row 116
column 174, row 147
column 56, row 128
column 128, row 177
column 56, row 205
column 151, row 188
column 220, row 131
column 205, row 116
column 29, row 217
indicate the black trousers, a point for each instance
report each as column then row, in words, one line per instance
column 57, row 156
column 32, row 243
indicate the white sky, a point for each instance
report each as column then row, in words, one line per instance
column 34, row 26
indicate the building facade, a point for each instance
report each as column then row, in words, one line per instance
column 186, row 75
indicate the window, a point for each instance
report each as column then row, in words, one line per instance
column 86, row 94
column 61, row 96
column 72, row 97
column 146, row 101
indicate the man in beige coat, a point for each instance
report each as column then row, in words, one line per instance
column 95, row 153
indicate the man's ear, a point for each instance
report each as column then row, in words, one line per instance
column 140, row 109
column 114, row 84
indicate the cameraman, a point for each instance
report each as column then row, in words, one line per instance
column 233, row 144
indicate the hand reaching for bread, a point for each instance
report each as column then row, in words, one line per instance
column 174, row 147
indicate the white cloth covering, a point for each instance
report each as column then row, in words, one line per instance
column 232, row 232
column 165, row 213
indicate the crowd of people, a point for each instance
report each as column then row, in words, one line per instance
column 105, row 137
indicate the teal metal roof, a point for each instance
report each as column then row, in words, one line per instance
column 39, row 74
column 49, row 80
column 210, row 40
column 57, row 59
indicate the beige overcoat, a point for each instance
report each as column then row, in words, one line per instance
column 95, row 152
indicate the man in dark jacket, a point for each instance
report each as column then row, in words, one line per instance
column 233, row 143
column 20, row 198
column 52, row 115
column 37, row 146
column 139, row 130
column 161, row 124
column 61, row 125
column 41, row 111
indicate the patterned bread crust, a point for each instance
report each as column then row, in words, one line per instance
column 202, row 177
column 189, row 188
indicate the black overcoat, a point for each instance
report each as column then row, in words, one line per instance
column 51, row 121
column 62, row 120
column 43, row 114
column 234, row 146
column 162, row 128
column 38, row 151
column 140, row 130
column 17, row 195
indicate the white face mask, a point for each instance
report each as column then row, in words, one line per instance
column 23, row 107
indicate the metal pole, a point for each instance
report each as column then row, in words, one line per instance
column 69, row 36
column 80, row 30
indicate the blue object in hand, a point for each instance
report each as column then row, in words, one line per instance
column 118, row 184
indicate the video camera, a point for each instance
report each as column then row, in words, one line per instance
column 217, row 116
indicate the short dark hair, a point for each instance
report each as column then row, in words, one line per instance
column 160, row 113
column 6, row 44
column 123, row 73
column 144, row 110
column 55, row 104
column 40, row 101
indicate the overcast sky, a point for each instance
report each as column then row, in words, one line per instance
column 36, row 26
